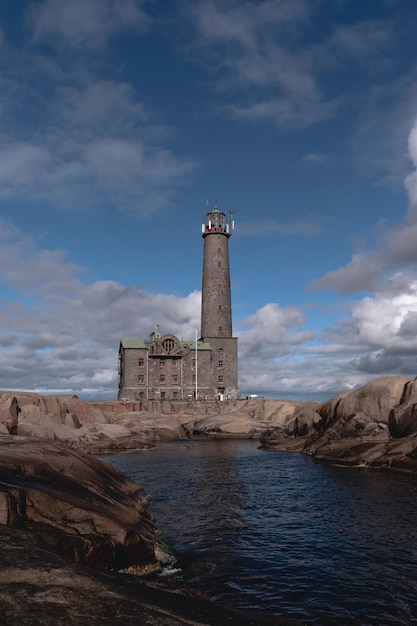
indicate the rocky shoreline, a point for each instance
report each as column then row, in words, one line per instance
column 78, row 546
column 76, row 533
column 373, row 427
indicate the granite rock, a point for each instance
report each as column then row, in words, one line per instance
column 78, row 505
column 373, row 426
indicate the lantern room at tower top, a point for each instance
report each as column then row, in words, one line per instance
column 216, row 222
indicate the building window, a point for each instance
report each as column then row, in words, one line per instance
column 141, row 362
column 162, row 379
column 221, row 363
column 151, row 349
column 193, row 363
column 140, row 395
column 175, row 379
column 220, row 351
column 175, row 394
column 219, row 264
column 168, row 345
column 162, row 395
column 221, row 379
column 175, row 363
column 220, row 307
column 141, row 379
column 194, row 378
column 162, row 363
column 220, row 329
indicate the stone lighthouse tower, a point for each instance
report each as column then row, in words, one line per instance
column 216, row 307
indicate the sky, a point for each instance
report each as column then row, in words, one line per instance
column 121, row 119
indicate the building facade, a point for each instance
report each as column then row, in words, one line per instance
column 163, row 367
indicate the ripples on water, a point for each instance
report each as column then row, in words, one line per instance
column 282, row 534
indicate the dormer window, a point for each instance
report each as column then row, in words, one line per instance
column 168, row 345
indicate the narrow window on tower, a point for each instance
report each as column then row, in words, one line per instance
column 220, row 307
column 220, row 329
column 221, row 379
column 141, row 362
column 221, row 364
column 219, row 264
column 193, row 364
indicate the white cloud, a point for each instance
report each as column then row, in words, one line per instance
column 395, row 250
column 268, row 65
column 21, row 164
column 317, row 159
column 381, row 327
column 411, row 180
column 85, row 23
column 60, row 333
column 82, row 138
column 252, row 51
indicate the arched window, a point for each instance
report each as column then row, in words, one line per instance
column 168, row 345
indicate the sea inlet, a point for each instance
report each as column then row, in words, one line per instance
column 276, row 532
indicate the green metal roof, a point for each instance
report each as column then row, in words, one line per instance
column 133, row 343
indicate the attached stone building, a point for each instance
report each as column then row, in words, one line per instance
column 164, row 367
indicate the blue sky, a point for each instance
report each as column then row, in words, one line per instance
column 120, row 118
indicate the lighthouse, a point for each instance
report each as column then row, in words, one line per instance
column 216, row 305
column 166, row 367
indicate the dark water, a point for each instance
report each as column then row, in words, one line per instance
column 274, row 531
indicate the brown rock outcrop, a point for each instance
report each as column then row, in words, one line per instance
column 80, row 506
column 112, row 426
column 373, row 426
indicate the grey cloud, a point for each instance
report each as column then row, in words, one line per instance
column 408, row 326
column 384, row 363
column 362, row 273
column 40, row 341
